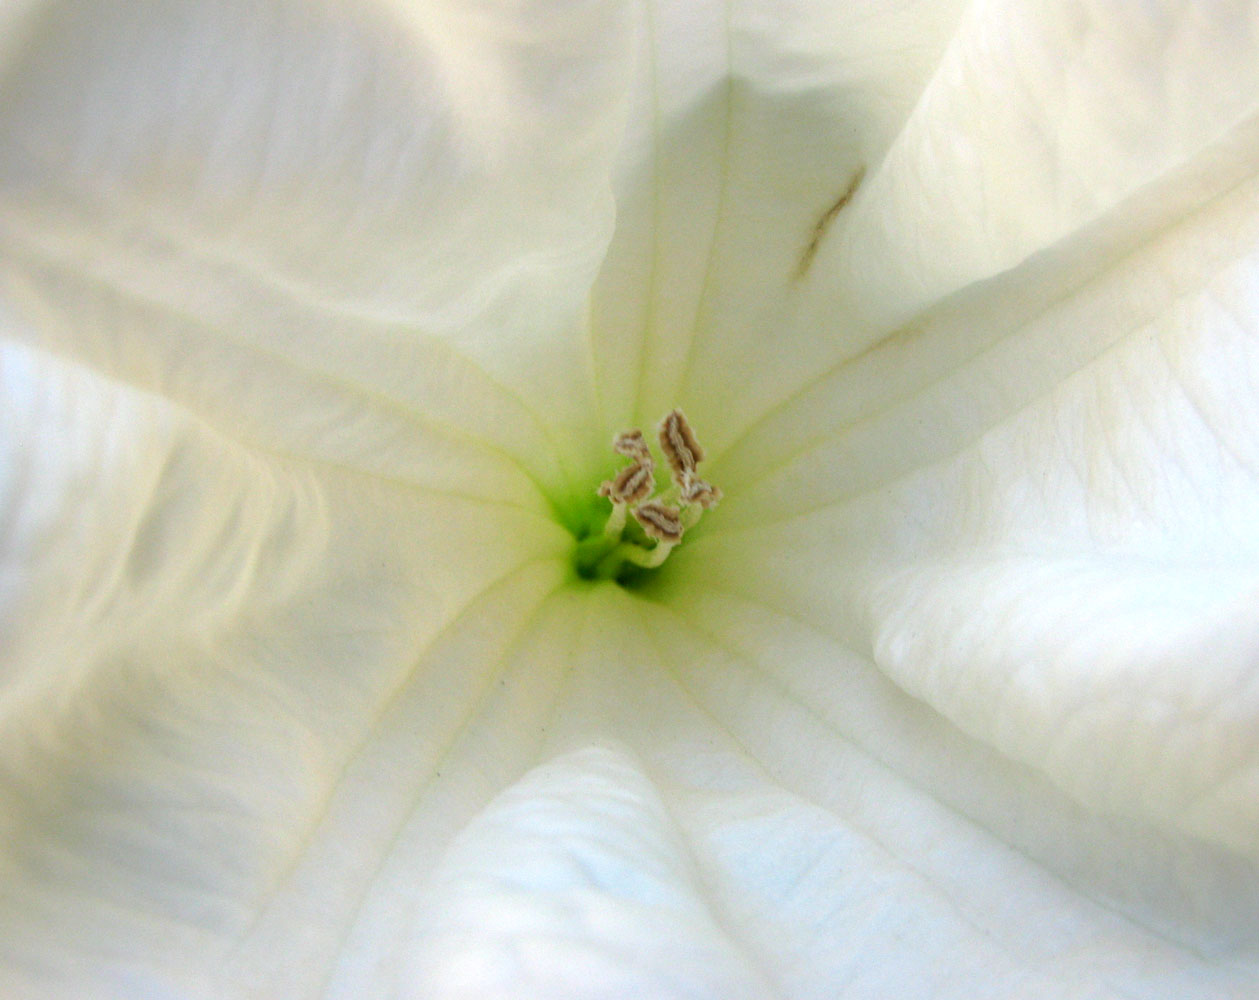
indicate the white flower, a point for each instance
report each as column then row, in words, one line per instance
column 306, row 393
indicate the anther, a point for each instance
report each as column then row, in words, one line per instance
column 678, row 443
column 632, row 445
column 630, row 485
column 696, row 491
column 659, row 521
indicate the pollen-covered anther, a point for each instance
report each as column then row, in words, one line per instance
column 630, row 485
column 660, row 521
column 631, row 444
column 696, row 491
column 680, row 448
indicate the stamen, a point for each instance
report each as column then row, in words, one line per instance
column 699, row 492
column 678, row 443
column 631, row 444
column 662, row 523
column 647, row 558
column 664, row 518
column 630, row 485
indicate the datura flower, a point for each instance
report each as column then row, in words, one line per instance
column 342, row 658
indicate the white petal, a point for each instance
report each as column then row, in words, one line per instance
column 777, row 751
column 1052, row 540
column 750, row 120
column 346, row 230
column 231, row 674
column 1040, row 119
column 199, row 645
column 573, row 884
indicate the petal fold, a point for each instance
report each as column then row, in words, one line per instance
column 573, row 883
column 387, row 215
column 1039, row 119
column 1047, row 510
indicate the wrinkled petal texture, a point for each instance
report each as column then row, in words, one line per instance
column 317, row 319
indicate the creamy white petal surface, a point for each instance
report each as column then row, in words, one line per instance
column 317, row 319
column 574, row 883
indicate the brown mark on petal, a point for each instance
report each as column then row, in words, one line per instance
column 659, row 522
column 824, row 223
column 633, row 483
column 678, row 443
column 632, row 445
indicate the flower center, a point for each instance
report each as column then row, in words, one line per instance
column 625, row 547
